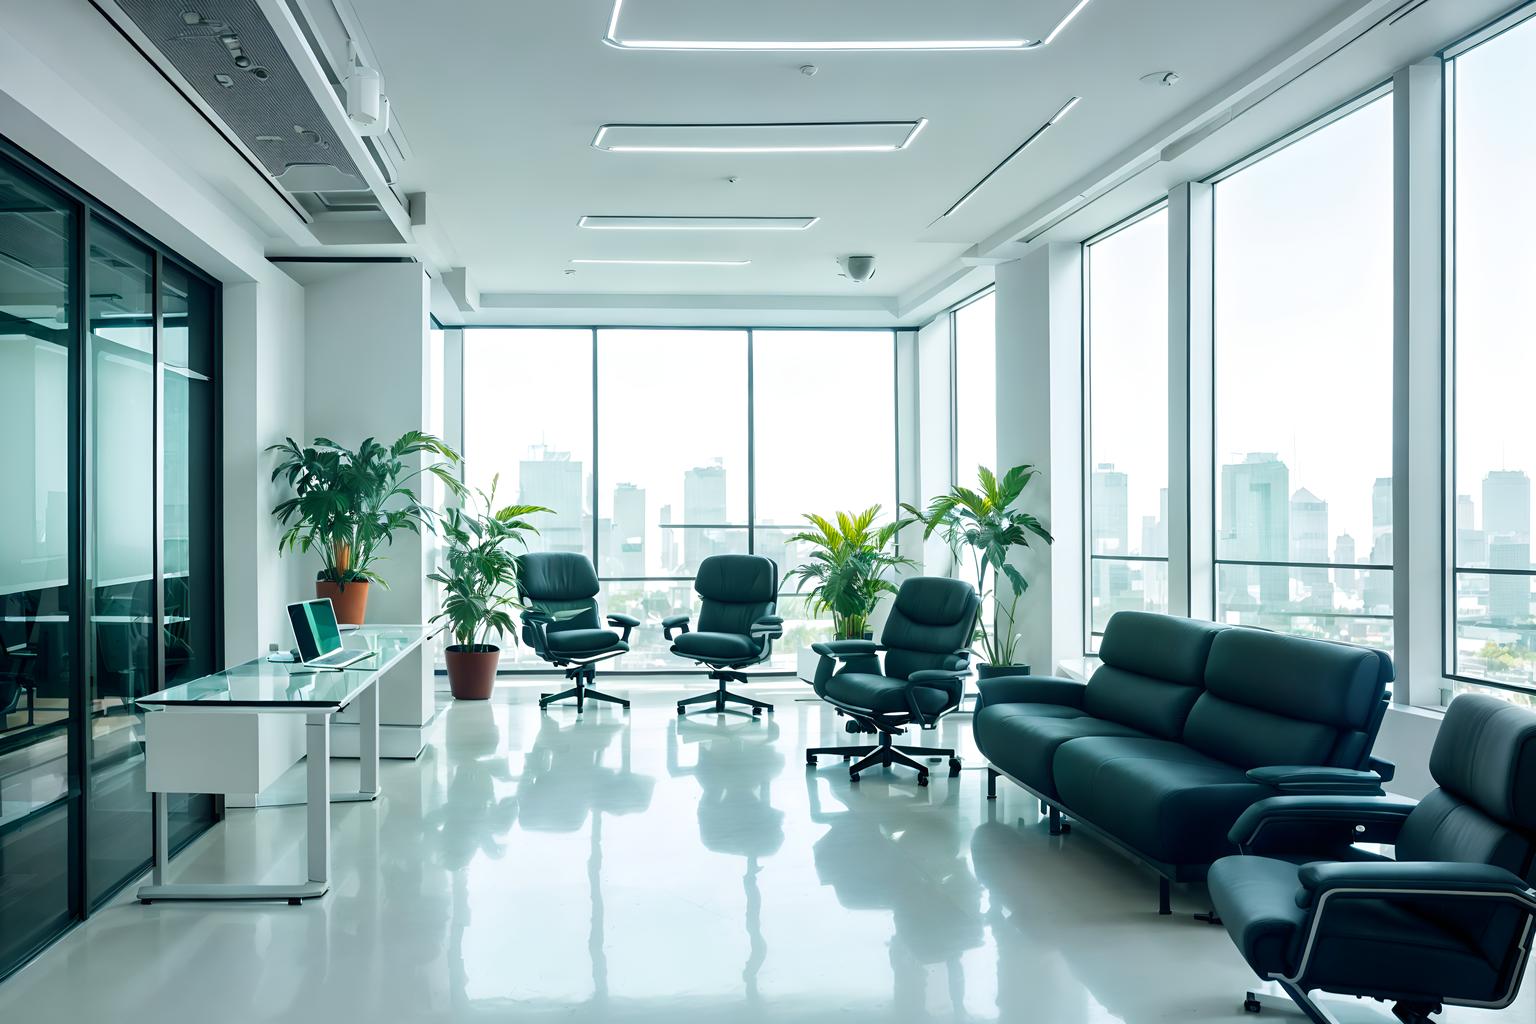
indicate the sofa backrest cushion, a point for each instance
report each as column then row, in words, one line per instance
column 1272, row 699
column 931, row 619
column 1153, row 669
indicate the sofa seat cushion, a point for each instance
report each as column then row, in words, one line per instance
column 1022, row 739
column 1168, row 802
column 724, row 647
column 883, row 695
column 583, row 641
column 1255, row 897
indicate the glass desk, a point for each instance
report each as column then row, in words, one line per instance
column 262, row 687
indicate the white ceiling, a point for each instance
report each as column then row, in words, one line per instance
column 501, row 100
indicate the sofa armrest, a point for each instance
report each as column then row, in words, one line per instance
column 1428, row 877
column 1030, row 690
column 1318, row 781
column 671, row 622
column 1321, row 822
column 1381, row 766
column 842, row 650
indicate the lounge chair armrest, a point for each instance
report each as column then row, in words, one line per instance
column 1428, row 877
column 534, row 617
column 671, row 622
column 1331, row 819
column 936, row 677
column 842, row 650
column 625, row 622
column 771, row 626
column 1030, row 690
column 1317, row 780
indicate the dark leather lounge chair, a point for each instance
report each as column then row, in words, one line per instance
column 1184, row 726
column 1450, row 921
column 561, row 623
column 926, row 647
column 737, row 625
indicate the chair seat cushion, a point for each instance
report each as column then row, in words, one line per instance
column 1022, row 739
column 1255, row 897
column 1170, row 803
column 719, row 646
column 882, row 695
column 583, row 641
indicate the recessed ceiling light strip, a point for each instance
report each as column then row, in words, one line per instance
column 663, row 263
column 681, row 223
column 1033, row 138
column 614, row 39
column 763, row 137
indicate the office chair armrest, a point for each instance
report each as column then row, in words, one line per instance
column 624, row 622
column 842, row 650
column 1314, row 822
column 671, row 622
column 930, row 676
column 1430, row 877
column 771, row 626
column 1318, row 781
column 1030, row 690
column 1381, row 766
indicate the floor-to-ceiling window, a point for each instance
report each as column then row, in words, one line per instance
column 1126, row 404
column 1492, row 89
column 701, row 441
column 1303, row 387
column 975, row 327
column 108, row 542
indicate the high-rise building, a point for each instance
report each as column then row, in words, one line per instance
column 627, row 556
column 703, row 505
column 1255, row 526
column 1471, row 543
column 1309, row 543
column 670, row 563
column 1347, row 580
column 554, row 480
column 1377, row 591
column 1381, row 507
column 1111, row 511
column 1507, row 505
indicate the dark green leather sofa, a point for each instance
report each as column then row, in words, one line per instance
column 1184, row 726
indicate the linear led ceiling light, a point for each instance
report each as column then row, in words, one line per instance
column 809, row 137
column 605, row 223
column 665, row 263
column 614, row 38
column 1033, row 138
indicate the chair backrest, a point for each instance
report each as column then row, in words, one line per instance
column 1273, row 699
column 555, row 582
column 1484, row 761
column 1153, row 670
column 735, row 591
column 931, row 618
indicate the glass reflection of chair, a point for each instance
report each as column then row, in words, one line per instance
column 736, row 765
column 908, row 857
column 19, row 661
column 563, row 782
column 472, row 819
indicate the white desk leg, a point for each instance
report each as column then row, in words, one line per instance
column 159, row 803
column 318, row 768
column 368, row 742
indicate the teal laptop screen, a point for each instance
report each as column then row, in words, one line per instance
column 314, row 628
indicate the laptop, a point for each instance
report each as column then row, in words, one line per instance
column 318, row 637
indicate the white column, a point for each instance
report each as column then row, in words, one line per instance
column 1422, row 504
column 1191, row 432
column 1040, row 422
column 934, row 397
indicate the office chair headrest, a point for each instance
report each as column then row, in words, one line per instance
column 1485, row 755
column 739, row 579
column 936, row 601
column 557, row 576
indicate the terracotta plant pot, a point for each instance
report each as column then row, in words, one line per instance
column 472, row 670
column 988, row 671
column 351, row 602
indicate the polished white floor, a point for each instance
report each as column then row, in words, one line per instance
column 644, row 867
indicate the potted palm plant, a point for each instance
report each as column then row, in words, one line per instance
column 848, row 570
column 479, row 580
column 987, row 524
column 348, row 504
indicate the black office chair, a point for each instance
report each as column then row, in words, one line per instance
column 927, row 657
column 737, row 625
column 560, row 622
column 1450, row 921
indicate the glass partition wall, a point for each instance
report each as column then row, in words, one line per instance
column 659, row 447
column 108, row 569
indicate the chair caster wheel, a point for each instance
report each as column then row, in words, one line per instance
column 1251, row 1003
column 294, row 901
column 145, row 903
column 852, row 728
column 810, row 762
column 756, row 712
column 680, row 710
column 922, row 780
column 853, row 776
column 954, row 767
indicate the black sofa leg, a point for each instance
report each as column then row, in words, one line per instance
column 991, row 783
column 1209, row 918
column 1164, row 897
column 1058, row 827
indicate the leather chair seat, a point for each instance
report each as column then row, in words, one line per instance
column 1168, row 801
column 883, row 695
column 1022, row 739
column 584, row 641
column 725, row 647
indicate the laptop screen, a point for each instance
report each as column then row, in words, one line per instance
column 314, row 628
